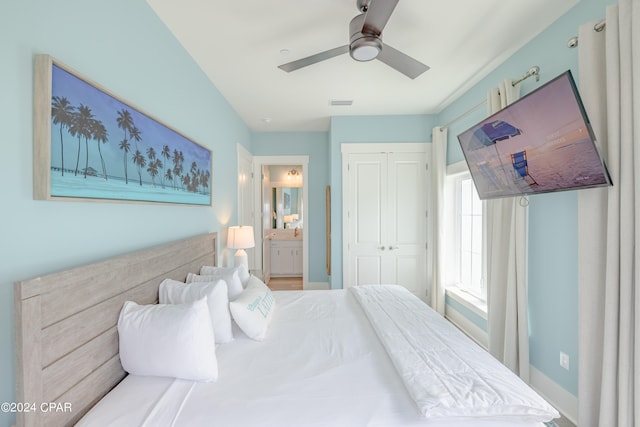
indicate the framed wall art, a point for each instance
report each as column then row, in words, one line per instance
column 91, row 145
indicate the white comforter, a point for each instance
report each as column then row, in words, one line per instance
column 446, row 374
column 320, row 364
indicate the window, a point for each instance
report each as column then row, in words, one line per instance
column 470, row 238
column 464, row 234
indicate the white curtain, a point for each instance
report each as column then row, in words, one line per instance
column 438, row 174
column 609, row 225
column 507, row 265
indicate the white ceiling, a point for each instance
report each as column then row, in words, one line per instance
column 238, row 45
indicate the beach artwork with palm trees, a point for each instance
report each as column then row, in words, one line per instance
column 102, row 148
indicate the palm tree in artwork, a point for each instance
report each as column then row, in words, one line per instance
column 135, row 134
column 205, row 181
column 154, row 164
column 196, row 180
column 61, row 113
column 99, row 134
column 74, row 130
column 151, row 154
column 178, row 159
column 125, row 147
column 201, row 180
column 195, row 177
column 194, row 172
column 125, row 122
column 186, row 182
column 140, row 162
column 169, row 175
column 80, row 126
column 166, row 154
column 86, row 118
column 153, row 169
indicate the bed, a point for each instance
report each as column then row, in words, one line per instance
column 329, row 358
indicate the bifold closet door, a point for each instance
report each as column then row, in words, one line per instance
column 387, row 220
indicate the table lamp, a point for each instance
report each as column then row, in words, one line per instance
column 240, row 237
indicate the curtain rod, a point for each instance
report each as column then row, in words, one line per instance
column 533, row 71
column 598, row 27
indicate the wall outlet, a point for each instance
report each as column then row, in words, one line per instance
column 564, row 360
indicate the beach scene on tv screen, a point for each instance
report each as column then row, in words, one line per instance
column 538, row 144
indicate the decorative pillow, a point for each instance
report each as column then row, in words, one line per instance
column 174, row 292
column 230, row 276
column 168, row 340
column 253, row 309
column 243, row 272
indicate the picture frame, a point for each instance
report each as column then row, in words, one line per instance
column 92, row 145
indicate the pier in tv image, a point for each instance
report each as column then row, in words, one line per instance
column 540, row 143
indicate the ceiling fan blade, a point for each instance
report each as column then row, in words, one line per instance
column 399, row 61
column 377, row 16
column 309, row 60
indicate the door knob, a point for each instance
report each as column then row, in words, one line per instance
column 393, row 247
column 381, row 248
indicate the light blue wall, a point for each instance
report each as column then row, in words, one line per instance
column 553, row 242
column 364, row 129
column 122, row 45
column 316, row 146
column 553, row 286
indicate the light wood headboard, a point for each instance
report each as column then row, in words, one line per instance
column 66, row 326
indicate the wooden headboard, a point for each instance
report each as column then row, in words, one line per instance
column 66, row 326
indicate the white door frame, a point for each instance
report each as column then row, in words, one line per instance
column 258, row 163
column 246, row 211
column 350, row 148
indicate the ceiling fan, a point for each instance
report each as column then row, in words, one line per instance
column 365, row 43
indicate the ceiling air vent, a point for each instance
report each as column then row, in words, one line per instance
column 341, row 102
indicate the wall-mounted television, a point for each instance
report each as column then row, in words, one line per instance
column 541, row 143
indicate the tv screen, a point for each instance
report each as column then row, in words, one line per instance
column 541, row 143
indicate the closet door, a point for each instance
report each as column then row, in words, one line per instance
column 366, row 198
column 407, row 222
column 387, row 220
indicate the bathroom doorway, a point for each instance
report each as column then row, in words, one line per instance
column 281, row 227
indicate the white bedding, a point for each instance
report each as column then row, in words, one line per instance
column 321, row 364
column 445, row 375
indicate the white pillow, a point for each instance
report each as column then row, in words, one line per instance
column 253, row 309
column 174, row 292
column 234, row 286
column 243, row 272
column 165, row 340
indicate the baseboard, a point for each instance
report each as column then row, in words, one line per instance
column 316, row 286
column 557, row 396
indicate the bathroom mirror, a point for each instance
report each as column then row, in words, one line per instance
column 288, row 207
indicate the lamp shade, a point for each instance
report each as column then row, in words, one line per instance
column 240, row 237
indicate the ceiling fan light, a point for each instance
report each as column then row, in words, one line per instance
column 365, row 49
column 364, row 53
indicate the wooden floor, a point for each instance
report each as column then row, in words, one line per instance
column 285, row 284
